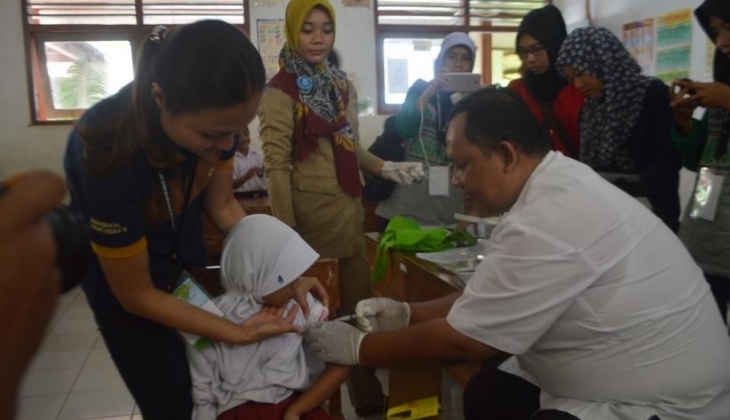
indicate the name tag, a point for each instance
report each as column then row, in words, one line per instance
column 706, row 195
column 438, row 180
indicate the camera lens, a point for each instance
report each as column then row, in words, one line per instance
column 72, row 245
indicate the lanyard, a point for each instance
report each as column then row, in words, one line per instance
column 168, row 201
column 188, row 186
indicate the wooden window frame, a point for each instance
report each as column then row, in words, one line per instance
column 39, row 85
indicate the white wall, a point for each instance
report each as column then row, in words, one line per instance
column 612, row 14
column 23, row 146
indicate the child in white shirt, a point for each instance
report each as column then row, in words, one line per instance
column 262, row 261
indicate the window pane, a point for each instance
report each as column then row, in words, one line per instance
column 407, row 60
column 185, row 11
column 77, row 12
column 420, row 12
column 82, row 73
column 500, row 12
column 505, row 64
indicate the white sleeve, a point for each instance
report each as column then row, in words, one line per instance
column 524, row 284
column 237, row 167
column 259, row 159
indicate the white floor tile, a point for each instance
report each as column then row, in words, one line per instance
column 75, row 312
column 52, row 323
column 100, row 344
column 137, row 417
column 58, row 360
column 48, row 383
column 98, row 378
column 44, row 407
column 75, row 326
column 99, row 358
column 65, row 342
column 97, row 404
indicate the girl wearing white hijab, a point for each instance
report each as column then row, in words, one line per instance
column 262, row 261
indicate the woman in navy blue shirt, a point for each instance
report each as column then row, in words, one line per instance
column 142, row 166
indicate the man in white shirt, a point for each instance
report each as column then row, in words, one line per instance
column 597, row 298
column 248, row 168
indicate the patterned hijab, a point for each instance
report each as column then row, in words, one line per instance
column 322, row 90
column 607, row 121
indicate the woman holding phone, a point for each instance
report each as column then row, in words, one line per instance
column 422, row 123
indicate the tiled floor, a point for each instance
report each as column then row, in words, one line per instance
column 73, row 377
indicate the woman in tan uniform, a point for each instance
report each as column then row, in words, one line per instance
column 312, row 155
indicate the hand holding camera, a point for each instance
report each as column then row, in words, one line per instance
column 686, row 93
column 29, row 274
column 685, row 96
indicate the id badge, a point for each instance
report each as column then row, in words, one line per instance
column 706, row 195
column 438, row 180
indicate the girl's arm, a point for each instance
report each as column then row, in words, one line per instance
column 323, row 388
column 131, row 282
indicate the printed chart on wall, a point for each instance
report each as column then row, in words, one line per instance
column 674, row 37
column 271, row 38
column 639, row 40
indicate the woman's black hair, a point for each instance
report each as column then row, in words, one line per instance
column 207, row 64
column 495, row 114
column 721, row 10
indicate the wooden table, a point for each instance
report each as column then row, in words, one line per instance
column 411, row 279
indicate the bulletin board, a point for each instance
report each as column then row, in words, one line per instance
column 271, row 37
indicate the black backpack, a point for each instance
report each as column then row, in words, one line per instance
column 388, row 146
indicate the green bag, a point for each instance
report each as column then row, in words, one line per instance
column 405, row 234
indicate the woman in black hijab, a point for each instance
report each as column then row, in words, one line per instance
column 556, row 103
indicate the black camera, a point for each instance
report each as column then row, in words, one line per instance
column 72, row 245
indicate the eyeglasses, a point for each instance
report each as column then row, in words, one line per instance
column 534, row 50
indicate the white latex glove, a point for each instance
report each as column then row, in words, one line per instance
column 402, row 172
column 382, row 314
column 335, row 342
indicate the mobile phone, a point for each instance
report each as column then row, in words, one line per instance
column 462, row 82
column 690, row 92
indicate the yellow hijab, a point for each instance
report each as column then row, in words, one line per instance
column 297, row 12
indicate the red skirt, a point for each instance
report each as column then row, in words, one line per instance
column 263, row 411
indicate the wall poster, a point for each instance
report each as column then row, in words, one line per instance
column 271, row 37
column 674, row 36
column 638, row 38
